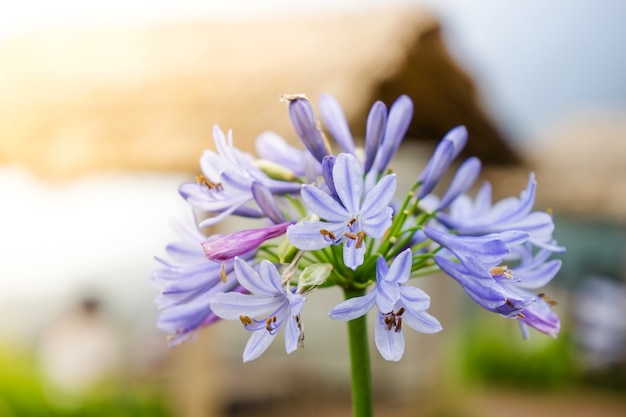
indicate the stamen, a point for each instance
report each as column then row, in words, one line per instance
column 301, row 335
column 350, row 235
column 351, row 222
column 269, row 322
column 328, row 234
column 399, row 325
column 521, row 315
column 245, row 320
column 359, row 239
column 202, row 180
column 547, row 299
column 393, row 320
column 501, row 270
column 223, row 272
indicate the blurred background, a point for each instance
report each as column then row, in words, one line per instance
column 105, row 107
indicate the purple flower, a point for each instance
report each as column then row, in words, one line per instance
column 269, row 306
column 465, row 176
column 480, row 217
column 224, row 247
column 225, row 187
column 535, row 271
column 187, row 284
column 307, row 127
column 397, row 304
column 348, row 220
column 448, row 149
column 488, row 293
column 539, row 315
column 478, row 254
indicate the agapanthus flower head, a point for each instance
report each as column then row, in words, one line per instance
column 348, row 221
column 331, row 220
column 270, row 304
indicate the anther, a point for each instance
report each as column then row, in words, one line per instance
column 202, row 180
column 223, row 275
column 269, row 322
column 502, row 270
column 399, row 325
column 351, row 222
column 350, row 235
column 245, row 320
column 547, row 299
column 329, row 234
column 400, row 312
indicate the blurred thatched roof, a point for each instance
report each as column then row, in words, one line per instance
column 77, row 100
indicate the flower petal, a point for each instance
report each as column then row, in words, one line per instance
column 400, row 268
column 324, row 205
column 348, row 179
column 232, row 305
column 462, row 181
column 257, row 344
column 307, row 235
column 353, row 256
column 335, row 120
column 390, row 343
column 375, row 130
column 266, row 202
column 305, row 124
column 376, row 225
column 353, row 308
column 380, row 195
column 252, row 281
column 293, row 333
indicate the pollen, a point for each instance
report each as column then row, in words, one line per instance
column 502, row 270
column 245, row 320
column 393, row 321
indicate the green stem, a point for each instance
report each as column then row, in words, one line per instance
column 359, row 361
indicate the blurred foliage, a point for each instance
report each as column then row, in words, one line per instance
column 495, row 354
column 23, row 393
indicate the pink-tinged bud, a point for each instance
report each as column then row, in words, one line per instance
column 224, row 247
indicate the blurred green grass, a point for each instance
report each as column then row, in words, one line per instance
column 23, row 393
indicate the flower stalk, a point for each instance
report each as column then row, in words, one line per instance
column 360, row 368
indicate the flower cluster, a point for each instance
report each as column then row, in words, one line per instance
column 332, row 220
